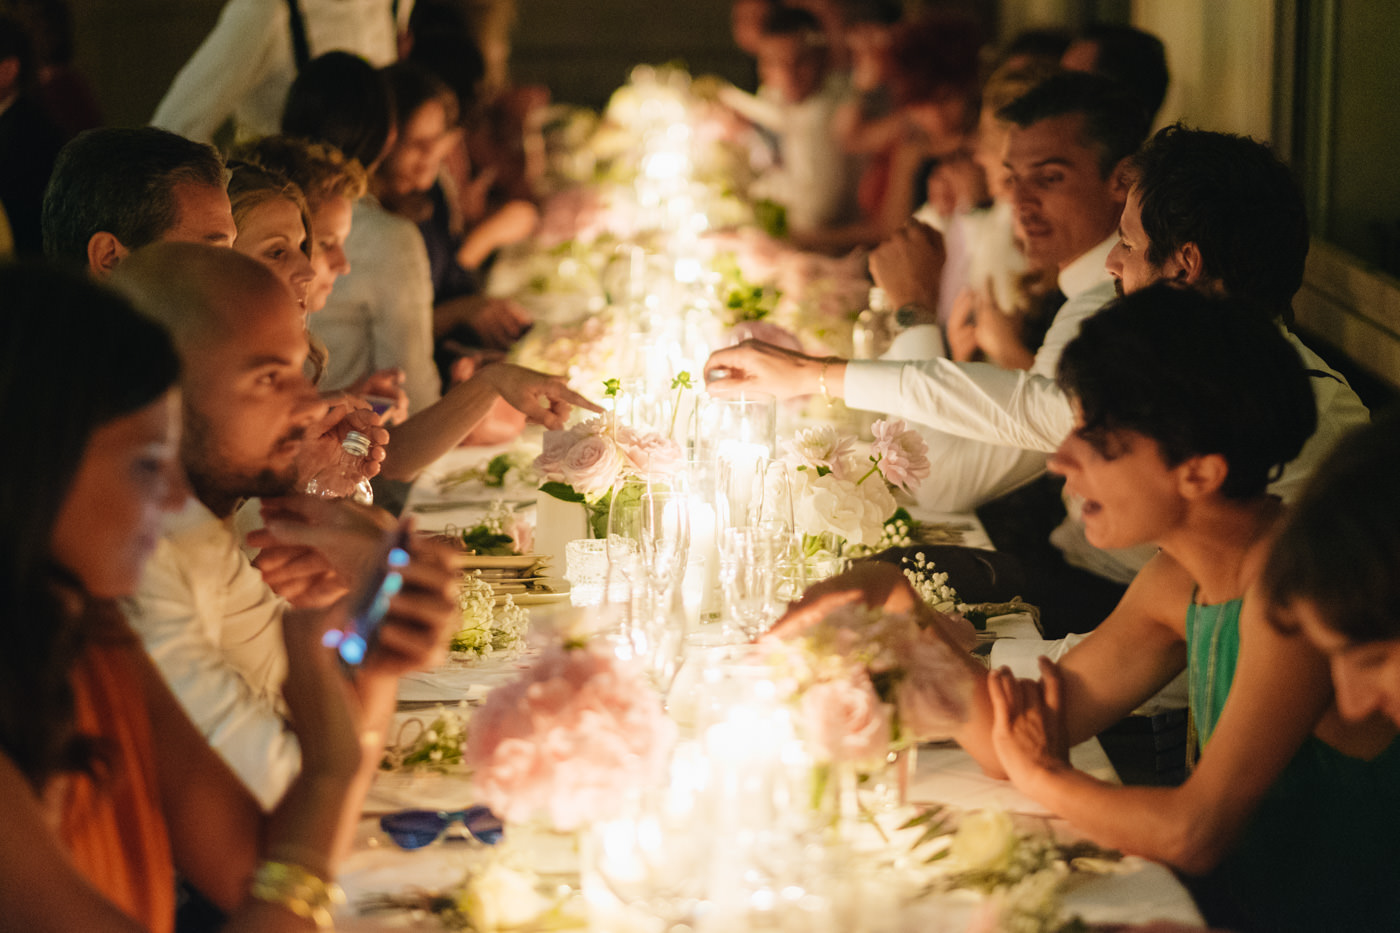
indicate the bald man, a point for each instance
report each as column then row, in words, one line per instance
column 207, row 616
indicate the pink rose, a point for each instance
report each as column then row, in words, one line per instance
column 591, row 465
column 522, row 533
column 654, row 455
column 551, row 459
column 903, row 453
column 845, row 720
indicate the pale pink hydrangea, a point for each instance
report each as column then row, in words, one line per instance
column 568, row 739
column 903, row 453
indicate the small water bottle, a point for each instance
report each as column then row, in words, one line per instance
column 345, row 479
column 874, row 329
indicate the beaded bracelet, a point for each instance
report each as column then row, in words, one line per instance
column 296, row 889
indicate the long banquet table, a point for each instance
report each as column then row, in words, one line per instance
column 1139, row 891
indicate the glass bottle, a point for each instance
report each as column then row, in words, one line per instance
column 345, row 478
column 874, row 328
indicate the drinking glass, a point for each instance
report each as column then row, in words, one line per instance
column 747, row 579
column 776, row 520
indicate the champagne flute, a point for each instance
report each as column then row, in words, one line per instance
column 747, row 579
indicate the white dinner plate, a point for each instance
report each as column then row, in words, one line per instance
column 548, row 590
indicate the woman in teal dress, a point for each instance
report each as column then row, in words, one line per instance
column 1184, row 409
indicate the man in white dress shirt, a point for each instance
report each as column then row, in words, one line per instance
column 1207, row 210
column 246, row 64
column 207, row 616
column 1066, row 152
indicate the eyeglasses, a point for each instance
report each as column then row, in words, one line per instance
column 414, row 829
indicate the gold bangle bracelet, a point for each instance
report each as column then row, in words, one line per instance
column 298, row 890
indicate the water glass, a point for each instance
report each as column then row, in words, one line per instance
column 747, row 575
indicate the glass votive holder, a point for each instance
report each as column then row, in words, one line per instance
column 586, row 563
column 743, row 427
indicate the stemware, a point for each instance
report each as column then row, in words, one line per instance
column 747, row 579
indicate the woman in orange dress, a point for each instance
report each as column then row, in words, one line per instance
column 106, row 788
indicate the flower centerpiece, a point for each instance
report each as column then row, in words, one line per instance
column 583, row 463
column 841, row 498
column 569, row 738
column 866, row 681
column 436, row 746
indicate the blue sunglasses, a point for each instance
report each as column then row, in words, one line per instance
column 414, row 829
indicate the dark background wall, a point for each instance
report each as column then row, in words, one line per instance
column 581, row 49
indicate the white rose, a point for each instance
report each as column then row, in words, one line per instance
column 985, row 841
column 501, row 898
column 829, row 503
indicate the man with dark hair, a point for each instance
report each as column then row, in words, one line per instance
column 1066, row 156
column 1135, row 58
column 1214, row 207
column 1222, row 215
column 116, row 190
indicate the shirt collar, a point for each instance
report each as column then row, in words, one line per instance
column 1088, row 270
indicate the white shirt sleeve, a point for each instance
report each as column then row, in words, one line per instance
column 214, row 631
column 237, row 55
column 978, row 401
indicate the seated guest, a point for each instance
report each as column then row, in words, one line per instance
column 1231, row 219
column 995, row 302
column 116, row 190
column 380, row 314
column 489, row 408
column 273, row 223
column 407, row 183
column 1126, row 54
column 933, row 76
column 1331, row 573
column 106, row 789
column 209, row 619
column 1067, row 156
column 816, row 181
column 1184, row 408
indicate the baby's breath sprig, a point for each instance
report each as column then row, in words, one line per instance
column 437, row 746
column 931, row 585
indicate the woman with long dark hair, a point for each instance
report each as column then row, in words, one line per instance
column 106, row 788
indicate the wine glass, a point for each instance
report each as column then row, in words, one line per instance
column 776, row 519
column 747, row 579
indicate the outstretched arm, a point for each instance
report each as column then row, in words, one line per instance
column 1280, row 691
column 420, row 440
